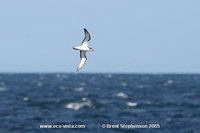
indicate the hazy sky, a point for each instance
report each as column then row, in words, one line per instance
column 132, row 36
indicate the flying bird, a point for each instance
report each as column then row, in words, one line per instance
column 83, row 49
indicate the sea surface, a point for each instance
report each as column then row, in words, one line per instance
column 99, row 103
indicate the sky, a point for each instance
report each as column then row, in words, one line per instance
column 132, row 36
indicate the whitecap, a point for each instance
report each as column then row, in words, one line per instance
column 168, row 119
column 84, row 99
column 25, row 79
column 93, row 78
column 39, row 84
column 121, row 94
column 77, row 106
column 41, row 77
column 79, row 89
column 124, row 84
column 149, row 102
column 58, row 75
column 2, row 89
column 50, row 94
column 109, row 75
column 132, row 104
column 2, row 83
column 195, row 78
column 140, row 86
column 62, row 88
column 26, row 99
column 82, row 84
column 98, row 89
column 168, row 82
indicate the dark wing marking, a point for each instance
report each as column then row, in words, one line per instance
column 87, row 37
column 83, row 60
column 83, row 54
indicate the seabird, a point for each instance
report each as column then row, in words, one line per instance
column 83, row 49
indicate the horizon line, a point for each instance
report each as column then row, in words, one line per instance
column 146, row 73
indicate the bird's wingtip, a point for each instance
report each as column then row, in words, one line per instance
column 85, row 29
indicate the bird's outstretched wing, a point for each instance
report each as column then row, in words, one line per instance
column 87, row 38
column 83, row 60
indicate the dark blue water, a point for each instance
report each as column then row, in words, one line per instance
column 170, row 102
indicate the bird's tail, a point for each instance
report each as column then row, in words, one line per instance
column 75, row 48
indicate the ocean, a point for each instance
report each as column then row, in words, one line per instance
column 97, row 103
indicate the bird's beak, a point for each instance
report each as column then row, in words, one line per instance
column 92, row 49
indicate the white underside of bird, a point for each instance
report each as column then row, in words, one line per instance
column 83, row 49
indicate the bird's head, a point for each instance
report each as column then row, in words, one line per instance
column 91, row 49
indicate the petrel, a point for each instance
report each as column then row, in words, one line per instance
column 83, row 49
